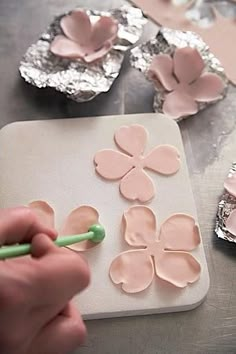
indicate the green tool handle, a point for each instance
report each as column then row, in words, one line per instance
column 96, row 233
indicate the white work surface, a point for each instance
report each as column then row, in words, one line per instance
column 53, row 161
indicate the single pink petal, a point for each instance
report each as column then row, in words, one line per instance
column 231, row 223
column 66, row 48
column 93, row 56
column 161, row 70
column 188, row 64
column 111, row 164
column 137, row 185
column 230, row 184
column 132, row 139
column 77, row 27
column 179, row 104
column 139, row 224
column 133, row 270
column 209, row 87
column 105, row 29
column 79, row 221
column 163, row 159
column 178, row 268
column 180, row 232
column 44, row 212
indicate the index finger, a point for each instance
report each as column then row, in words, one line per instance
column 19, row 225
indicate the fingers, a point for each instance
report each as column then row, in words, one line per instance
column 59, row 274
column 62, row 335
column 41, row 245
column 21, row 225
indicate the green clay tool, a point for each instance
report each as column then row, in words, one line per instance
column 96, row 233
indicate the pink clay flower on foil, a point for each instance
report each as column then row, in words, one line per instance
column 129, row 167
column 186, row 82
column 84, row 40
column 164, row 253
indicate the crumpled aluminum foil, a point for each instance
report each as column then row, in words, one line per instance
column 226, row 205
column 78, row 80
column 166, row 41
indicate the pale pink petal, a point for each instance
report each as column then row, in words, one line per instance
column 180, row 232
column 139, row 225
column 179, row 104
column 133, row 270
column 231, row 223
column 209, row 87
column 112, row 164
column 79, row 221
column 44, row 212
column 230, row 184
column 105, row 29
column 77, row 27
column 93, row 56
column 178, row 268
column 161, row 70
column 137, row 185
column 66, row 48
column 132, row 139
column 163, row 159
column 188, row 64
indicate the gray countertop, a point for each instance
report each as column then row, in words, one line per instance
column 209, row 140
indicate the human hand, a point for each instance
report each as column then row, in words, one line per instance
column 36, row 313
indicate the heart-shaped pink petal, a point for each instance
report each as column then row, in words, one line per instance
column 77, row 27
column 230, row 184
column 66, row 48
column 133, row 270
column 78, row 222
column 44, row 212
column 179, row 104
column 161, row 70
column 180, row 232
column 188, row 64
column 139, row 226
column 137, row 185
column 163, row 159
column 178, row 268
column 105, row 29
column 132, row 139
column 209, row 87
column 112, row 164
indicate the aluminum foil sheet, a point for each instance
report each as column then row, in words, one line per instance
column 166, row 41
column 78, row 80
column 226, row 205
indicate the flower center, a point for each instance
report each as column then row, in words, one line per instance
column 154, row 248
column 138, row 161
column 183, row 87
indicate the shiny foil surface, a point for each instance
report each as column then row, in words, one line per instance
column 226, row 205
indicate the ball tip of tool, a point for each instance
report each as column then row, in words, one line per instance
column 99, row 233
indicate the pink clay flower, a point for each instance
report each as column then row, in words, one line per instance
column 164, row 253
column 184, row 79
column 84, row 40
column 130, row 166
